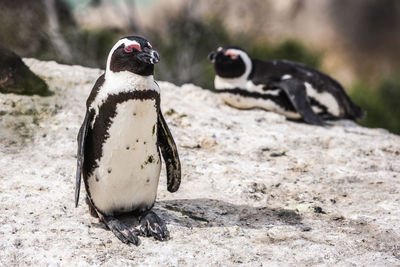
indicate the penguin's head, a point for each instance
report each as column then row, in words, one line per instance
column 134, row 54
column 230, row 62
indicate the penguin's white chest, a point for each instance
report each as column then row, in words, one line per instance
column 127, row 175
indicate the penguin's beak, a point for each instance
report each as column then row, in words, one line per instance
column 149, row 56
column 212, row 56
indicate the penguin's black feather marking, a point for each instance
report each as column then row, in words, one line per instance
column 81, row 144
column 169, row 152
column 95, row 91
column 296, row 92
column 82, row 136
column 270, row 72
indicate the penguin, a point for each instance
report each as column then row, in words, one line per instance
column 120, row 141
column 289, row 88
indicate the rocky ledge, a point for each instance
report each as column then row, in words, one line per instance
column 256, row 189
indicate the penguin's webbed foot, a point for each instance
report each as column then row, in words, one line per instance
column 152, row 225
column 120, row 230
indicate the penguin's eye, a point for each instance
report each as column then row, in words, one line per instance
column 233, row 55
column 129, row 48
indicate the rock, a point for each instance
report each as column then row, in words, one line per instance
column 331, row 199
column 17, row 78
column 42, row 29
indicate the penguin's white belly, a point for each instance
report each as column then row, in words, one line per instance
column 243, row 102
column 127, row 175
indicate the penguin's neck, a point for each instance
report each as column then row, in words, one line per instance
column 221, row 83
column 123, row 81
column 241, row 82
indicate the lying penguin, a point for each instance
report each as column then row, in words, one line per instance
column 282, row 86
column 120, row 141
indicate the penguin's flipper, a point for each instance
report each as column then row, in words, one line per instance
column 296, row 92
column 81, row 144
column 169, row 153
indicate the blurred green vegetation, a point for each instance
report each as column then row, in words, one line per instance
column 184, row 46
column 188, row 41
column 380, row 101
column 289, row 49
column 96, row 44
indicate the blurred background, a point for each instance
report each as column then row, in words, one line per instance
column 357, row 42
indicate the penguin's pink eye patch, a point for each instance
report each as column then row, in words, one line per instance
column 129, row 48
column 232, row 54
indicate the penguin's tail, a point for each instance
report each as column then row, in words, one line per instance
column 352, row 110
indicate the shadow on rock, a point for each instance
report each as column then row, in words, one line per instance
column 205, row 212
column 216, row 213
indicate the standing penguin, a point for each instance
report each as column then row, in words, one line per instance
column 120, row 141
column 282, row 86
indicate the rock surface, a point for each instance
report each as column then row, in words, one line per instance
column 256, row 190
